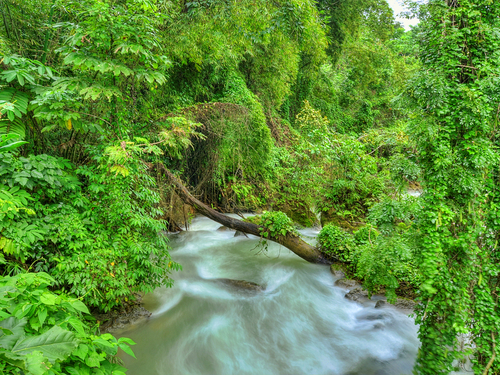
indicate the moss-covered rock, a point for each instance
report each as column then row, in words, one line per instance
column 299, row 212
column 338, row 270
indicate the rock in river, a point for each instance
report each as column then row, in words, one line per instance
column 346, row 283
column 117, row 321
column 357, row 294
column 401, row 303
column 242, row 284
column 337, row 271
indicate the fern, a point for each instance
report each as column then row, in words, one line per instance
column 14, row 103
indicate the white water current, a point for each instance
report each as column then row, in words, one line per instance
column 300, row 324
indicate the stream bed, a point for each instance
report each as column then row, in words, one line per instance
column 299, row 324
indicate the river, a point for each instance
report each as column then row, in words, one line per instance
column 300, row 324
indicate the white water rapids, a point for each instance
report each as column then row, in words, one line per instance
column 300, row 324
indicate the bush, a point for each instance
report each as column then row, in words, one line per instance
column 95, row 229
column 353, row 183
column 45, row 333
column 386, row 258
column 276, row 224
column 336, row 243
column 365, row 235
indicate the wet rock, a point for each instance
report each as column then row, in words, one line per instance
column 242, row 284
column 405, row 304
column 117, row 321
column 346, row 283
column 223, row 228
column 371, row 315
column 357, row 294
column 401, row 303
column 240, row 233
column 337, row 270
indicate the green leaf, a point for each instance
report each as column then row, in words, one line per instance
column 42, row 314
column 12, row 146
column 55, row 344
column 81, row 351
column 16, row 327
column 126, row 349
column 77, row 325
column 36, row 174
column 80, row 306
column 20, row 79
column 48, row 298
column 93, row 360
column 127, row 340
column 35, row 363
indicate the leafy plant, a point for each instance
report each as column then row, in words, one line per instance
column 45, row 333
column 336, row 243
column 102, row 249
column 276, row 224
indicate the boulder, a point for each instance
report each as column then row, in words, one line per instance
column 118, row 321
column 239, row 234
column 371, row 315
column 357, row 294
column 223, row 228
column 242, row 284
column 401, row 304
column 405, row 304
column 337, row 270
column 346, row 283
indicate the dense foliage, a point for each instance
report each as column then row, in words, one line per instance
column 315, row 112
column 45, row 333
column 455, row 97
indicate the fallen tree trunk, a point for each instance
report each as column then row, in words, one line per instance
column 290, row 241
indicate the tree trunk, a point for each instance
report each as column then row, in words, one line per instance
column 290, row 241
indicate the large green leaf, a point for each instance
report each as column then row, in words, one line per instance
column 55, row 344
column 11, row 146
column 11, row 330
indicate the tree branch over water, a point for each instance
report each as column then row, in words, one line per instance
column 290, row 241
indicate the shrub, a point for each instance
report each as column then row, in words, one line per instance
column 45, row 333
column 336, row 243
column 95, row 229
column 276, row 224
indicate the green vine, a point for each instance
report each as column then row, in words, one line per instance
column 454, row 126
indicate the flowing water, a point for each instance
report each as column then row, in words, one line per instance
column 300, row 324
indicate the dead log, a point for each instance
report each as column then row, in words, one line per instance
column 290, row 241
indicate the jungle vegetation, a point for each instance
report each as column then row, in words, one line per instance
column 295, row 108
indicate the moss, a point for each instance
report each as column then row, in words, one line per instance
column 254, row 220
column 299, row 213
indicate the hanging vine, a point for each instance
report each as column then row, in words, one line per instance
column 456, row 97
